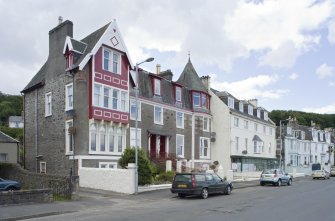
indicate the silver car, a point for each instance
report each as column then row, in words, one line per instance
column 275, row 177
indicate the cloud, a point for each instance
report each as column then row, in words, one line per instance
column 272, row 27
column 331, row 32
column 293, row 76
column 252, row 87
column 328, row 109
column 331, row 84
column 324, row 71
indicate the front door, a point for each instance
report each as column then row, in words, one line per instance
column 157, row 146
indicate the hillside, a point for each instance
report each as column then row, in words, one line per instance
column 10, row 105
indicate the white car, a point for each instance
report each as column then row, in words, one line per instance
column 324, row 174
column 275, row 177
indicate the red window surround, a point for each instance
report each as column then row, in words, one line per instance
column 69, row 59
column 207, row 104
column 153, row 77
column 175, row 86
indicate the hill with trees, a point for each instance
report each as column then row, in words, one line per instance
column 10, row 105
column 304, row 118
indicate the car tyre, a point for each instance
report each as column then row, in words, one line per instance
column 289, row 183
column 204, row 193
column 262, row 184
column 279, row 183
column 11, row 189
column 181, row 195
column 228, row 190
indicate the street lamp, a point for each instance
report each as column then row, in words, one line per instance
column 281, row 143
column 136, row 123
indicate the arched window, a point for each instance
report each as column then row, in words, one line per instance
column 102, row 138
column 120, row 139
column 93, row 137
column 111, row 139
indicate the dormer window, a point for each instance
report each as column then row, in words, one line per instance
column 196, row 99
column 230, row 102
column 258, row 113
column 178, row 94
column 69, row 60
column 266, row 116
column 250, row 110
column 241, row 106
column 111, row 61
column 204, row 100
column 157, row 87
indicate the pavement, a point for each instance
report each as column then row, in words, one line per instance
column 90, row 198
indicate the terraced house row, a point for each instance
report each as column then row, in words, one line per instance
column 80, row 111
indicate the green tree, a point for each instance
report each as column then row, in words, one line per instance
column 10, row 105
column 144, row 165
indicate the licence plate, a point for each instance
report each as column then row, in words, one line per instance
column 182, row 185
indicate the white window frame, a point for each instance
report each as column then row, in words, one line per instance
column 178, row 94
column 132, row 137
column 133, row 103
column 266, row 116
column 106, row 96
column 237, row 144
column 250, row 110
column 48, row 104
column 69, row 97
column 4, row 158
column 258, row 113
column 157, row 87
column 67, row 137
column 108, row 164
column 246, row 124
column 256, row 127
column 111, row 61
column 182, row 146
column 202, row 148
column 196, row 94
column 236, row 121
column 241, row 107
column 124, row 101
column 43, row 167
column 95, row 125
column 231, row 102
column 181, row 126
column 97, row 98
column 205, row 124
column 161, row 115
column 117, row 98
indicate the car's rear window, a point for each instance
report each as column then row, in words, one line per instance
column 183, row 178
column 200, row 178
column 269, row 172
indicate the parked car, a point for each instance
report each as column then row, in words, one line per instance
column 201, row 184
column 324, row 174
column 9, row 185
column 275, row 177
column 332, row 171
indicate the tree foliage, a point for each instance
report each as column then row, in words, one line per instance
column 144, row 165
column 10, row 105
column 304, row 118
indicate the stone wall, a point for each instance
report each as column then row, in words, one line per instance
column 26, row 196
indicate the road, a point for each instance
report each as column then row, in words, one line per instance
column 305, row 200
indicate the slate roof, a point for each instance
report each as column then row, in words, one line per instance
column 190, row 79
column 90, row 41
column 4, row 138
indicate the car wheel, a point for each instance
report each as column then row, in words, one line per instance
column 279, row 183
column 181, row 195
column 204, row 193
column 11, row 188
column 228, row 190
column 313, row 178
column 262, row 184
column 289, row 183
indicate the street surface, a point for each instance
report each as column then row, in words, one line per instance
column 305, row 200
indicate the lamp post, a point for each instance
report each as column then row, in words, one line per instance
column 136, row 123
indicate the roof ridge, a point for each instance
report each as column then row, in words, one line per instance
column 9, row 137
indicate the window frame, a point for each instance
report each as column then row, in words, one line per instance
column 157, row 87
column 107, row 164
column 132, row 117
column 206, row 129
column 43, row 167
column 182, row 146
column 250, row 110
column 161, row 115
column 178, row 95
column 111, row 61
column 182, row 120
column 68, row 135
column 202, row 148
column 231, row 102
column 198, row 95
column 132, row 137
column 69, row 97
column 241, row 107
column 48, row 104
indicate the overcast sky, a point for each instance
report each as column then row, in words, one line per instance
column 278, row 51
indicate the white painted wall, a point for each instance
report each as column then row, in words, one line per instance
column 118, row 180
column 221, row 126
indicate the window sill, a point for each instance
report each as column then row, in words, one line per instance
column 69, row 153
column 159, row 123
column 105, row 153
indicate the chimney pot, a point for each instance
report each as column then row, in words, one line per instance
column 158, row 69
column 60, row 20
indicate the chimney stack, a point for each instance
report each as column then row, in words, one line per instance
column 158, row 69
column 57, row 37
column 254, row 102
column 206, row 80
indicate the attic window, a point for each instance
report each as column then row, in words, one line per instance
column 241, row 106
column 69, row 60
column 111, row 61
column 178, row 94
column 230, row 102
column 266, row 117
column 250, row 110
column 258, row 113
column 196, row 99
column 157, row 87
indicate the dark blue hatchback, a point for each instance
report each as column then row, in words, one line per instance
column 9, row 185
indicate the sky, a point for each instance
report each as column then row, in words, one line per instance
column 278, row 51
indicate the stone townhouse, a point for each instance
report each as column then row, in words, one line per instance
column 174, row 117
column 76, row 107
column 245, row 135
column 304, row 146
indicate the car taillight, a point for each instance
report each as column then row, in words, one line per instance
column 193, row 181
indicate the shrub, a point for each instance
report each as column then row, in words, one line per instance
column 144, row 166
column 165, row 177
